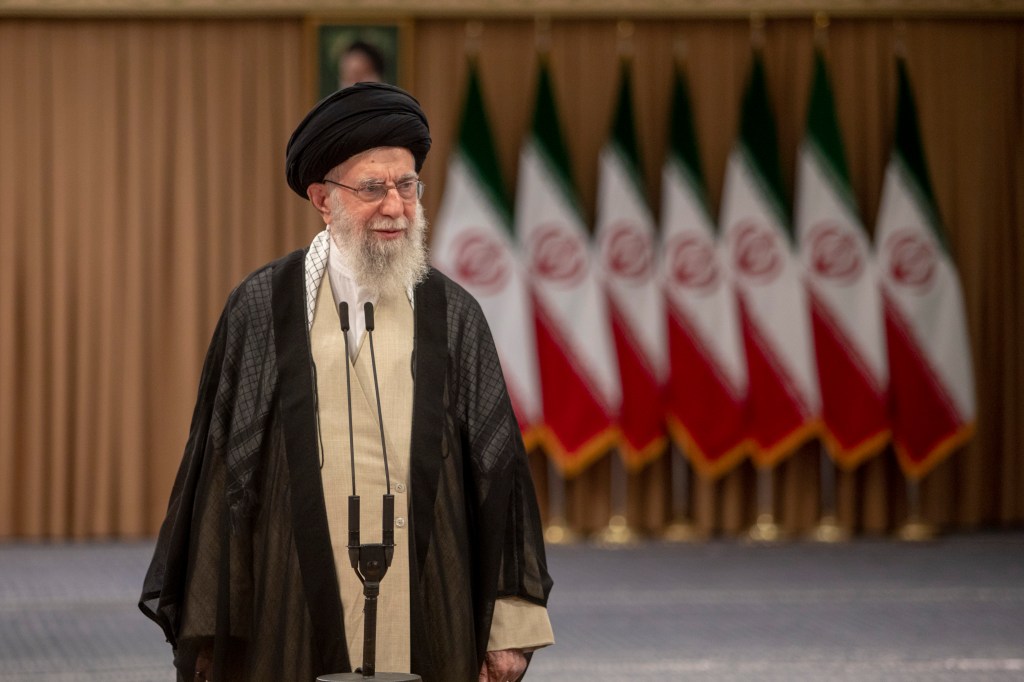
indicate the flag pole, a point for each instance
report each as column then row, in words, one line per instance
column 915, row 528
column 765, row 529
column 828, row 528
column 558, row 531
column 681, row 528
column 618, row 532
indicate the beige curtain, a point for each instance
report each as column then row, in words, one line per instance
column 141, row 177
column 142, row 172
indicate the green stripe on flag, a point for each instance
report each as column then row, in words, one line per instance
column 477, row 147
column 624, row 131
column 759, row 142
column 547, row 136
column 683, row 142
column 909, row 153
column 823, row 134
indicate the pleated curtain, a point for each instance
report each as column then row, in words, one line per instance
column 141, row 177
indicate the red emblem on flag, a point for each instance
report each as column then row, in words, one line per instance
column 692, row 264
column 480, row 261
column 835, row 253
column 628, row 252
column 912, row 259
column 756, row 252
column 558, row 255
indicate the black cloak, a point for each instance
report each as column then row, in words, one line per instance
column 244, row 558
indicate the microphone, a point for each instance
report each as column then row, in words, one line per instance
column 353, row 499
column 370, row 561
column 388, row 538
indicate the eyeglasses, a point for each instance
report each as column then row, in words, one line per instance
column 408, row 190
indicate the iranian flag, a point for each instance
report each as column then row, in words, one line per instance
column 708, row 379
column 579, row 374
column 626, row 237
column 784, row 402
column 842, row 281
column 932, row 382
column 474, row 245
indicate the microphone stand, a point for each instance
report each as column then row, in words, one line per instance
column 369, row 561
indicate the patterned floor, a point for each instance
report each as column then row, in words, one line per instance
column 724, row 611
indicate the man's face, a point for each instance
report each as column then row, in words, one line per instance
column 384, row 239
column 387, row 166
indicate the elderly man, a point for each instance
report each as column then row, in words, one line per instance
column 251, row 578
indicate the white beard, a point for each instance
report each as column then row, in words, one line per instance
column 384, row 267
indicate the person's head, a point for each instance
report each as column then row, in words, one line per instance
column 361, row 62
column 356, row 156
column 370, row 204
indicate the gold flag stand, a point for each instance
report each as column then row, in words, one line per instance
column 828, row 529
column 557, row 532
column 915, row 528
column 765, row 529
column 617, row 533
column 681, row 529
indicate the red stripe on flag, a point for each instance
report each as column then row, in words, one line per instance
column 578, row 429
column 925, row 424
column 642, row 415
column 709, row 416
column 779, row 422
column 854, row 408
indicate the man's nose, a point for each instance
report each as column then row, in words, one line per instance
column 392, row 205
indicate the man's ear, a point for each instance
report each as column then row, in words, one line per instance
column 318, row 196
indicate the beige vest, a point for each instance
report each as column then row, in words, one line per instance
column 393, row 348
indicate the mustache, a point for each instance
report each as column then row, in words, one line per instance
column 384, row 223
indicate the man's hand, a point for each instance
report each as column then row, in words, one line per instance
column 506, row 665
column 204, row 663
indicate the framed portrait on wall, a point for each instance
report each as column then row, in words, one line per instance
column 350, row 50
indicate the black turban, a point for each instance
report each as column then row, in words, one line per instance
column 352, row 120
